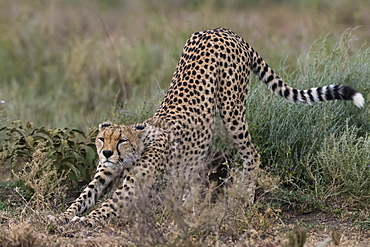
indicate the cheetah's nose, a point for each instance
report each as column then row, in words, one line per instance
column 107, row 153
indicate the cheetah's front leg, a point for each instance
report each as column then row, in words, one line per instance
column 105, row 178
column 138, row 179
column 122, row 198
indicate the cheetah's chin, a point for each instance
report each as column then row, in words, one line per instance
column 108, row 163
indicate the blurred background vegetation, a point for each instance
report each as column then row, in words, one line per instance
column 75, row 63
column 68, row 65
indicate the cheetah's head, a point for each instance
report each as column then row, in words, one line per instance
column 119, row 144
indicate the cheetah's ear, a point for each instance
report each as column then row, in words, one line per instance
column 140, row 126
column 104, row 125
column 140, row 130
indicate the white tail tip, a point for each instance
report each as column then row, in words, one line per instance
column 358, row 100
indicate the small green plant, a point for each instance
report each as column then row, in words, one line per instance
column 71, row 150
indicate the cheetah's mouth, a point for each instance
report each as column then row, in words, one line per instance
column 108, row 163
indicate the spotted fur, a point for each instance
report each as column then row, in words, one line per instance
column 211, row 75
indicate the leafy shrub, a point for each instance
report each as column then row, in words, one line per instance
column 72, row 150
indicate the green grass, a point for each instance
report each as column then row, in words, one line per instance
column 319, row 152
column 285, row 132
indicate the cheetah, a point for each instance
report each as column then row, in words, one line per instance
column 211, row 78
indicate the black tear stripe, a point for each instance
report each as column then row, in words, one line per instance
column 118, row 152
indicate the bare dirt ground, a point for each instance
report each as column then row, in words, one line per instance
column 320, row 226
column 320, row 229
column 23, row 225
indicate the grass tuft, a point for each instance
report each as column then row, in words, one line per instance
column 341, row 168
column 47, row 185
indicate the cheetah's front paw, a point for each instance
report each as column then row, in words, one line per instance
column 59, row 219
column 85, row 221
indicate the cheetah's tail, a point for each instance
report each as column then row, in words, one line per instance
column 309, row 96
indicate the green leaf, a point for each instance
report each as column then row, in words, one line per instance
column 30, row 140
column 90, row 154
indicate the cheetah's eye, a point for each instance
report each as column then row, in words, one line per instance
column 101, row 139
column 122, row 141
